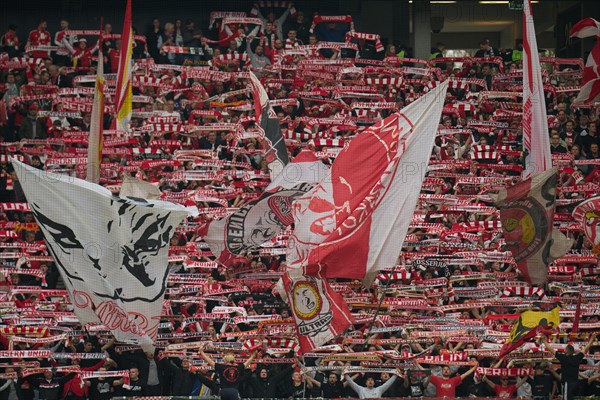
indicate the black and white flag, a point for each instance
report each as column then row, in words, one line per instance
column 111, row 251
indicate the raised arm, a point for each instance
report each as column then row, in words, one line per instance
column 589, row 343
column 210, row 361
column 249, row 360
column 469, row 372
column 547, row 345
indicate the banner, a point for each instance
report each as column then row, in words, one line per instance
column 536, row 141
column 526, row 213
column 587, row 214
column 353, row 223
column 320, row 313
column 111, row 252
column 260, row 220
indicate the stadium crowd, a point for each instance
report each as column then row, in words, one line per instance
column 448, row 306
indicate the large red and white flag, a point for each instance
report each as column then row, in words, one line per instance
column 353, row 223
column 587, row 214
column 585, row 28
column 590, row 83
column 320, row 313
column 124, row 96
column 526, row 213
column 260, row 220
column 95, row 139
column 536, row 139
column 112, row 252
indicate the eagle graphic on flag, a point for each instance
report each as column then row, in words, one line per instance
column 528, row 325
column 112, row 252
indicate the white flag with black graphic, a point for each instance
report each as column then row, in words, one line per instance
column 111, row 251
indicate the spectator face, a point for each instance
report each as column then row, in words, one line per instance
column 108, row 28
column 446, row 371
column 569, row 126
column 263, row 374
column 370, row 382
column 594, row 148
column 555, row 140
column 575, row 150
column 43, row 26
column 312, row 40
column 87, row 347
column 292, row 34
column 134, row 373
column 259, row 50
column 504, row 381
column 48, row 375
column 333, row 378
column 156, row 23
column 269, row 26
column 233, row 45
column 297, row 377
column 592, row 129
column 278, row 44
column 561, row 116
column 64, row 25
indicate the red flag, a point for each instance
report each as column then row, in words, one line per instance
column 352, row 224
column 526, row 213
column 124, row 95
column 320, row 313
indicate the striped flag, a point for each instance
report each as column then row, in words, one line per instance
column 536, row 139
column 124, row 92
column 590, row 84
column 95, row 138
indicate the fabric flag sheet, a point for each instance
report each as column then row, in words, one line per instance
column 111, row 252
column 590, row 84
column 536, row 140
column 528, row 325
column 526, row 213
column 260, row 220
column 587, row 214
column 320, row 313
column 277, row 155
column 353, row 223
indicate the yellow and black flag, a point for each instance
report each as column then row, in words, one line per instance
column 528, row 325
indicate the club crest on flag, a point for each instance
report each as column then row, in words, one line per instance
column 526, row 227
column 587, row 214
column 309, row 306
